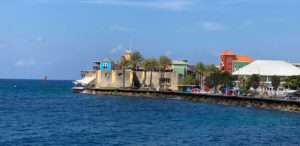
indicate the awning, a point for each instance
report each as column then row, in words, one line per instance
column 85, row 81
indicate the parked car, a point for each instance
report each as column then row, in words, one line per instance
column 196, row 90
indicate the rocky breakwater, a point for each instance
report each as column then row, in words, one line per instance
column 266, row 103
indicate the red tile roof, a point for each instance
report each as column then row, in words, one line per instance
column 244, row 58
column 227, row 53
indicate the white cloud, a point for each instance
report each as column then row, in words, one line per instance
column 116, row 50
column 120, row 28
column 21, row 63
column 211, row 26
column 245, row 24
column 158, row 4
column 39, row 39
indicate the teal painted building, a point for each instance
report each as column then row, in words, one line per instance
column 236, row 65
column 181, row 67
column 104, row 64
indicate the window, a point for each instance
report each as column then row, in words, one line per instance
column 167, row 81
column 120, row 74
column 105, row 65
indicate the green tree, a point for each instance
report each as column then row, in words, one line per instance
column 226, row 79
column 135, row 59
column 124, row 64
column 188, row 80
column 275, row 83
column 243, row 83
column 292, row 82
column 213, row 80
column 164, row 62
column 146, row 65
column 153, row 65
column 199, row 69
column 254, row 81
column 209, row 69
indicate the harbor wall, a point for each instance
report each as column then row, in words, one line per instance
column 266, row 103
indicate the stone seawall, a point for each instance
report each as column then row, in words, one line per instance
column 266, row 103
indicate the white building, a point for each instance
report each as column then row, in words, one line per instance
column 268, row 68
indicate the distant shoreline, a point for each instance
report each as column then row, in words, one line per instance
column 264, row 103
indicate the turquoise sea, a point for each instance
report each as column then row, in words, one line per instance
column 36, row 113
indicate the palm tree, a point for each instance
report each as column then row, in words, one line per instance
column 209, row 69
column 135, row 59
column 292, row 82
column 153, row 64
column 226, row 80
column 243, row 83
column 163, row 63
column 188, row 80
column 199, row 69
column 146, row 66
column 254, row 81
column 213, row 80
column 124, row 64
column 275, row 83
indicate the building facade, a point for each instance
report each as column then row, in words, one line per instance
column 181, row 67
column 230, row 62
column 236, row 65
column 226, row 59
column 115, row 79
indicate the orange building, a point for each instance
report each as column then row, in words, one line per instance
column 228, row 59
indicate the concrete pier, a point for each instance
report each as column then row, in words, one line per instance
column 266, row 103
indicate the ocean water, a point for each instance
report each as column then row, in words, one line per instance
column 36, row 113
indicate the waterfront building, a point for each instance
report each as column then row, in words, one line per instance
column 230, row 62
column 182, row 67
column 268, row 68
column 226, row 59
column 104, row 64
column 114, row 79
column 107, row 74
column 241, row 61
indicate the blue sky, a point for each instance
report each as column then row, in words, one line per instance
column 62, row 37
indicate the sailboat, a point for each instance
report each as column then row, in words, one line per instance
column 45, row 78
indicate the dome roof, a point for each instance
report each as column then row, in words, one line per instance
column 269, row 68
